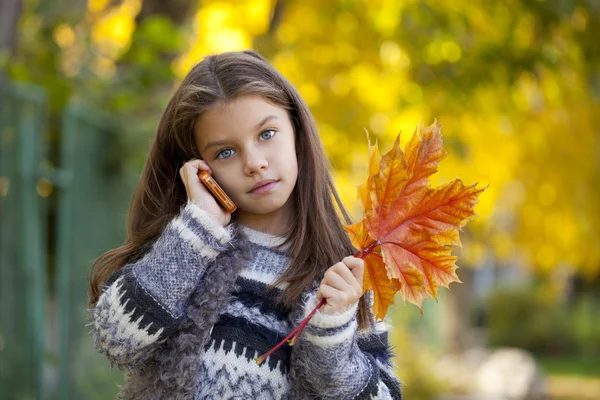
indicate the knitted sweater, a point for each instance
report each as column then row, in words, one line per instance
column 185, row 314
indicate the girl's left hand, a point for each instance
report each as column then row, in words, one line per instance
column 342, row 285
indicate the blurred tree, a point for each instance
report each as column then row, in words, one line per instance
column 177, row 11
column 516, row 85
column 10, row 10
column 509, row 81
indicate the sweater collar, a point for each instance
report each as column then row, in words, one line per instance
column 263, row 238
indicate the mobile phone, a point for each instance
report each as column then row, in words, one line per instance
column 217, row 191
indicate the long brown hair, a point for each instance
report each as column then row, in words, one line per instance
column 317, row 239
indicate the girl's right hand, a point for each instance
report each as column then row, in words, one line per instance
column 198, row 193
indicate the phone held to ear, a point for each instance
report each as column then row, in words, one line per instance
column 216, row 190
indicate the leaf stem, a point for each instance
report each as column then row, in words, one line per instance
column 293, row 336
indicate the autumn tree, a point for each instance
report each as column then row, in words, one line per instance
column 514, row 84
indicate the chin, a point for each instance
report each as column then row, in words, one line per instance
column 266, row 208
column 262, row 206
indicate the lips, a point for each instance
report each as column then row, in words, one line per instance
column 262, row 183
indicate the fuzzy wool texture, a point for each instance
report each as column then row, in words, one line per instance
column 117, row 333
column 362, row 367
column 324, row 339
column 185, row 324
column 173, row 372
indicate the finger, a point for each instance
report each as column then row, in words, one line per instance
column 182, row 176
column 344, row 271
column 189, row 171
column 191, row 168
column 356, row 266
column 185, row 172
column 354, row 279
column 200, row 165
column 189, row 175
column 354, row 287
column 352, row 261
column 328, row 292
column 359, row 273
column 333, row 279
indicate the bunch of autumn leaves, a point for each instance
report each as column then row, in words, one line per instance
column 408, row 228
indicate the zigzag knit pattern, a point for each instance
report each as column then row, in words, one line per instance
column 145, row 303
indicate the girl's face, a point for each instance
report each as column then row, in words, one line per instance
column 246, row 141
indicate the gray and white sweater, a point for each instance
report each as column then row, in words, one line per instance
column 187, row 320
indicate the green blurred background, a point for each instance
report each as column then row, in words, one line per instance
column 515, row 85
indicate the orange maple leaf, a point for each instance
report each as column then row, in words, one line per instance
column 408, row 228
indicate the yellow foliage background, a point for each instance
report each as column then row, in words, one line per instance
column 515, row 85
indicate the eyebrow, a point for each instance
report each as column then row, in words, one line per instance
column 257, row 126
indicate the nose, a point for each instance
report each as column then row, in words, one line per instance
column 255, row 162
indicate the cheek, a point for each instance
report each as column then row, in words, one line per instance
column 293, row 165
column 288, row 156
column 293, row 169
column 224, row 179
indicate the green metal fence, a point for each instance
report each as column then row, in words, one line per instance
column 45, row 348
column 90, row 220
column 22, row 243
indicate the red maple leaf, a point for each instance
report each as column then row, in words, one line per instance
column 408, row 228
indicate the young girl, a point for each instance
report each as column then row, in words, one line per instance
column 195, row 293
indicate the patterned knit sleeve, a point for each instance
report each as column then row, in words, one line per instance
column 337, row 362
column 144, row 302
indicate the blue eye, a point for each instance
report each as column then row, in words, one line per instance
column 224, row 151
column 267, row 134
column 270, row 136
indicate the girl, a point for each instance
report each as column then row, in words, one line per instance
column 195, row 294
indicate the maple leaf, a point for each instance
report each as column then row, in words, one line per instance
column 408, row 228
